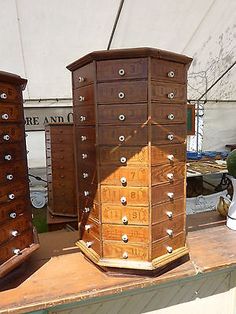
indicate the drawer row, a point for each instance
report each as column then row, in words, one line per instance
column 126, row 69
column 130, row 114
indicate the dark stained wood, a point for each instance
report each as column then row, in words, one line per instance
column 11, row 133
column 161, row 193
column 83, row 95
column 168, row 113
column 169, row 133
column 125, row 234
column 168, row 210
column 83, row 76
column 84, row 115
column 165, row 92
column 168, row 154
column 162, row 70
column 168, row 173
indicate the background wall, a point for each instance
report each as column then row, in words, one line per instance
column 40, row 38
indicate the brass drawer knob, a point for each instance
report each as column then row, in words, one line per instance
column 170, row 176
column 123, row 200
column 125, row 255
column 170, row 137
column 121, row 95
column 170, row 195
column 5, row 116
column 86, row 193
column 170, row 157
column 125, row 220
column 81, row 98
column 169, row 232
column 16, row 251
column 9, row 177
column 171, row 116
column 83, row 138
column 171, row 95
column 121, row 72
column 11, row 196
column 6, row 137
column 85, row 175
column 86, row 210
column 3, row 96
column 7, row 157
column 14, row 233
column 82, row 118
column 124, row 238
column 169, row 214
column 121, row 138
column 171, row 74
column 123, row 180
column 89, row 244
column 84, row 156
column 81, row 79
column 121, row 117
column 12, row 215
column 169, row 249
column 87, row 227
column 123, row 160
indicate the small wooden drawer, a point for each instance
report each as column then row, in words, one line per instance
column 9, row 193
column 124, row 196
column 168, row 154
column 168, row 245
column 169, row 134
column 12, row 173
column 168, row 113
column 59, row 129
column 165, row 92
column 122, row 114
column 122, row 69
column 167, row 192
column 86, row 154
column 88, row 190
column 86, row 211
column 13, row 210
column 122, row 92
column 123, row 155
column 168, row 228
column 83, row 76
column 85, row 135
column 9, row 93
column 11, row 113
column 167, row 211
column 87, row 174
column 125, row 234
column 16, row 245
column 89, row 227
column 84, row 115
column 66, row 175
column 124, row 176
column 62, row 185
column 83, row 95
column 61, row 139
column 168, row 71
column 126, row 215
column 11, row 153
column 11, row 133
column 14, row 228
column 91, row 242
column 126, row 136
column 125, row 251
column 168, row 173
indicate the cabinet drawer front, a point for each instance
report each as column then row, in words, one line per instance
column 166, row 92
column 128, row 135
column 11, row 134
column 85, row 135
column 11, row 113
column 58, row 130
column 83, row 76
column 22, row 242
column 131, row 155
column 89, row 227
column 10, row 153
column 160, row 248
column 12, row 93
column 122, row 92
column 125, row 251
column 14, row 228
column 87, row 173
column 168, row 211
column 122, row 114
column 168, row 228
column 62, row 185
column 168, row 192
column 88, row 210
column 88, row 191
column 124, row 176
column 83, row 95
column 62, row 206
column 121, row 69
column 166, row 134
column 167, row 173
column 168, row 71
column 92, row 242
column 11, row 173
column 12, row 210
column 168, row 113
column 86, row 154
column 125, row 234
column 168, row 154
column 124, row 196
column 9, row 193
column 84, row 115
column 125, row 214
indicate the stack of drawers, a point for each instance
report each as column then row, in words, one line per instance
column 60, row 169
column 17, row 238
column 130, row 116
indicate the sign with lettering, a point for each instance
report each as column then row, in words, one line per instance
column 37, row 117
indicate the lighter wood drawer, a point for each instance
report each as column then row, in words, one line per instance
column 168, row 113
column 88, row 210
column 125, row 234
column 11, row 113
column 165, row 92
column 83, row 95
column 84, row 115
column 168, row 228
column 83, row 76
column 58, row 130
column 166, row 134
column 11, row 133
column 11, row 93
column 167, row 173
column 87, row 173
column 168, row 192
column 168, row 154
column 168, row 211
column 168, row 71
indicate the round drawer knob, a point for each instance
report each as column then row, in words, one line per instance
column 14, row 233
column 81, row 79
column 12, row 215
column 81, row 98
column 83, row 138
column 121, row 138
column 85, row 175
column 171, row 74
column 5, row 116
column 169, row 214
column 82, row 118
column 17, row 251
column 124, row 238
column 123, row 180
column 171, row 116
column 86, row 210
column 123, row 200
column 89, row 244
column 86, row 193
column 170, row 137
column 3, row 96
column 121, row 95
column 7, row 157
column 87, row 227
column 125, row 220
column 170, row 157
column 6, row 137
column 121, row 72
column 9, row 177
column 84, row 156
column 125, row 255
column 169, row 249
column 121, row 117
column 171, row 95
column 169, row 232
column 170, row 176
column 11, row 196
column 123, row 160
column 170, row 195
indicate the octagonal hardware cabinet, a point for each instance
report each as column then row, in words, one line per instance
column 18, row 238
column 130, row 138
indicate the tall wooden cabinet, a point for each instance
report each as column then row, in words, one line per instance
column 17, row 236
column 130, row 138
